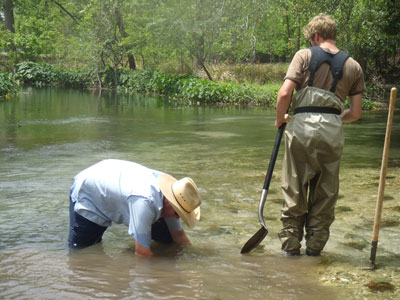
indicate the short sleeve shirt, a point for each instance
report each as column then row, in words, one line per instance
column 352, row 82
column 122, row 192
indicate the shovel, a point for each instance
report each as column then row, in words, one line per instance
column 256, row 239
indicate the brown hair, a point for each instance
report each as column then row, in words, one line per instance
column 322, row 24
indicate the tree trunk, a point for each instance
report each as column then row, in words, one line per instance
column 200, row 55
column 288, row 33
column 131, row 61
column 205, row 70
column 253, row 45
column 120, row 23
column 8, row 6
column 298, row 33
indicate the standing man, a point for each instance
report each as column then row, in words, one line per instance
column 149, row 202
column 323, row 77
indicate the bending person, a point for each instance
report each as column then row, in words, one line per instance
column 149, row 202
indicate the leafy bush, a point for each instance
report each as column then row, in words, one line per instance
column 35, row 74
column 191, row 88
column 31, row 73
column 8, row 85
column 76, row 78
column 136, row 81
column 367, row 104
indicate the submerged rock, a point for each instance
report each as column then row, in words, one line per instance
column 396, row 208
column 343, row 208
column 359, row 245
column 380, row 286
column 392, row 222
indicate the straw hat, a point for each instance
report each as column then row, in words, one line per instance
column 183, row 196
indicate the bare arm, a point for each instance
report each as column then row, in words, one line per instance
column 283, row 102
column 180, row 237
column 354, row 112
column 142, row 250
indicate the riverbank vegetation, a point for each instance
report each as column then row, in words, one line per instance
column 8, row 85
column 235, row 50
column 180, row 88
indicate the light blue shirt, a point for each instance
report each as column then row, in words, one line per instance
column 122, row 192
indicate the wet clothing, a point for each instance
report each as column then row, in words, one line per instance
column 84, row 233
column 116, row 191
column 313, row 148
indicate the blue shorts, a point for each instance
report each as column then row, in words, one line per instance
column 84, row 233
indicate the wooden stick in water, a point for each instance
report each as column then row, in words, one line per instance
column 382, row 180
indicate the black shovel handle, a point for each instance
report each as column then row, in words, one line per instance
column 270, row 170
column 256, row 239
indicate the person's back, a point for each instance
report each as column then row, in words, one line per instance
column 314, row 137
column 352, row 82
column 102, row 190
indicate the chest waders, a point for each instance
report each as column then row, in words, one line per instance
column 313, row 148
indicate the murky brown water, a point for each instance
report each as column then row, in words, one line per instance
column 47, row 136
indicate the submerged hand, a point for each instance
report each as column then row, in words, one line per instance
column 142, row 250
column 180, row 237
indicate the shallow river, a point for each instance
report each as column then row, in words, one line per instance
column 47, row 136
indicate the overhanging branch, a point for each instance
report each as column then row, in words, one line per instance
column 65, row 10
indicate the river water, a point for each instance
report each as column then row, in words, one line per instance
column 49, row 135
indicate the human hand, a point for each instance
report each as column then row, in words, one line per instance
column 280, row 121
column 142, row 250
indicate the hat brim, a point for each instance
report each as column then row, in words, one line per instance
column 166, row 181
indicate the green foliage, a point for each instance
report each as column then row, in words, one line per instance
column 193, row 89
column 367, row 104
column 34, row 40
column 97, row 37
column 101, row 33
column 136, row 81
column 109, row 77
column 34, row 74
column 8, row 85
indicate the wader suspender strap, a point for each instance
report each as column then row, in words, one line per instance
column 336, row 61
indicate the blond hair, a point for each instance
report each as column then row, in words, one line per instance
column 322, row 24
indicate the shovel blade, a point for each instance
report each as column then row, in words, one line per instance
column 255, row 240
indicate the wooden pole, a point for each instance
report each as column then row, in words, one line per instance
column 382, row 179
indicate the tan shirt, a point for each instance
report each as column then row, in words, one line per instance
column 352, row 82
